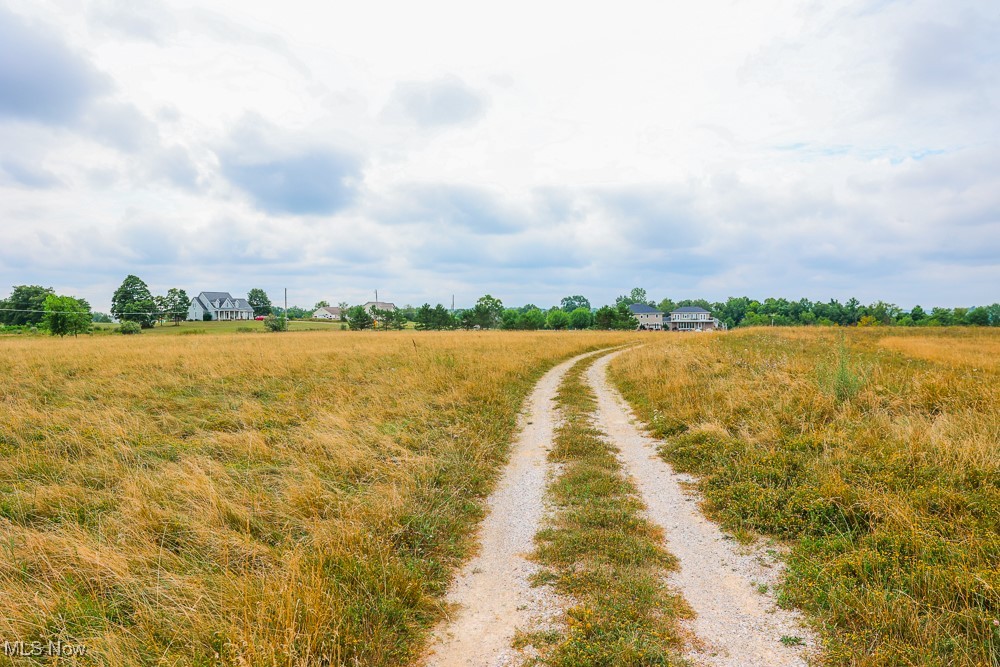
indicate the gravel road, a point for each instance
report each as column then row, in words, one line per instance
column 736, row 625
column 492, row 592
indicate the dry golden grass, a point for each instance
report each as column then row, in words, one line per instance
column 290, row 499
column 975, row 348
column 875, row 453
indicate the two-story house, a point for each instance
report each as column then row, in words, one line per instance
column 693, row 318
column 220, row 306
column 650, row 319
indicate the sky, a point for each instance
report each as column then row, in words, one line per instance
column 527, row 150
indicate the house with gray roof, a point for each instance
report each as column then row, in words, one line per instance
column 693, row 318
column 328, row 313
column 221, row 306
column 650, row 319
column 370, row 306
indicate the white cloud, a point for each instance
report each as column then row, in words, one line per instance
column 528, row 150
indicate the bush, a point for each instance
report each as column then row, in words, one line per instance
column 207, row 317
column 272, row 323
column 128, row 328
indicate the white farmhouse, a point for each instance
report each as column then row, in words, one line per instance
column 370, row 306
column 328, row 313
column 221, row 306
column 693, row 318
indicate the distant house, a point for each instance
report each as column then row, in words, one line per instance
column 381, row 305
column 328, row 313
column 693, row 318
column 650, row 318
column 220, row 305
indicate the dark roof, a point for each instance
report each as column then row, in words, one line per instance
column 642, row 308
column 689, row 309
column 209, row 299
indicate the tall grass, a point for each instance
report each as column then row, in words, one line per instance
column 887, row 490
column 295, row 499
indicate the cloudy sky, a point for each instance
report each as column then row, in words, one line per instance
column 529, row 150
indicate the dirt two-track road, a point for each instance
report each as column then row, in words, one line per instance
column 735, row 625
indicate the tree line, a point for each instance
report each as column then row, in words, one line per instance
column 136, row 308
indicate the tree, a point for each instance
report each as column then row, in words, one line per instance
column 979, row 317
column 532, row 319
column 615, row 317
column 66, row 315
column 388, row 319
column 510, row 319
column 100, row 318
column 257, row 298
column 161, row 309
column 433, row 318
column 132, row 302
column 557, row 319
column 571, row 303
column 666, row 305
column 177, row 303
column 321, row 304
column 637, row 295
column 487, row 312
column 580, row 318
column 358, row 318
column 917, row 314
column 24, row 306
column 625, row 319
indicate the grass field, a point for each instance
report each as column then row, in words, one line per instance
column 228, row 327
column 283, row 499
column 874, row 453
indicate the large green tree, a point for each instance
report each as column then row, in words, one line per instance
column 571, row 303
column 257, row 298
column 532, row 319
column 637, row 295
column 557, row 319
column 133, row 302
column 487, row 312
column 358, row 318
column 25, row 305
column 580, row 318
column 177, row 303
column 66, row 316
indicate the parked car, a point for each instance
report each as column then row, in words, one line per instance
column 259, row 317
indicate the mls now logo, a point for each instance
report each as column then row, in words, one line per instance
column 50, row 649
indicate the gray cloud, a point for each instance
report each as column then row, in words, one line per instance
column 285, row 176
column 29, row 176
column 41, row 79
column 457, row 206
column 439, row 103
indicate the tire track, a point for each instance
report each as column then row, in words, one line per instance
column 736, row 626
column 492, row 592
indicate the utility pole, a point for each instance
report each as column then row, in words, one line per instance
column 376, row 297
column 286, row 303
column 453, row 304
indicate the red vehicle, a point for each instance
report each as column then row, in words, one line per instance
column 259, row 317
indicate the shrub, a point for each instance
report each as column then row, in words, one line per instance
column 207, row 317
column 272, row 323
column 128, row 328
